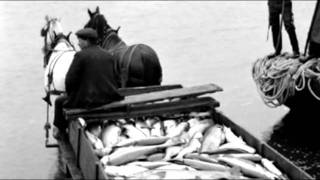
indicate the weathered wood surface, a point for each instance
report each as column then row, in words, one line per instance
column 153, row 96
column 154, row 109
column 69, row 159
column 146, row 89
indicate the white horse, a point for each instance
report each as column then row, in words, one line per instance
column 59, row 53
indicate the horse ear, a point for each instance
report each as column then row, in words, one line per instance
column 98, row 10
column 118, row 29
column 68, row 36
column 90, row 13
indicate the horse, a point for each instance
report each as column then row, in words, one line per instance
column 138, row 64
column 58, row 55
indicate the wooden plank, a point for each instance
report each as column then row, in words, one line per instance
column 153, row 96
column 68, row 158
column 284, row 164
column 151, row 109
column 146, row 89
column 264, row 150
column 88, row 158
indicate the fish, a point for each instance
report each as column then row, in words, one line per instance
column 126, row 170
column 212, row 139
column 247, row 156
column 231, row 137
column 271, row 167
column 193, row 121
column 200, row 126
column 174, row 166
column 179, row 129
column 201, row 165
column 248, row 168
column 110, row 135
column 171, row 151
column 95, row 141
column 156, row 157
column 201, row 157
column 143, row 127
column 146, row 141
column 150, row 165
column 193, row 146
column 232, row 148
column 156, row 129
column 187, row 174
column 133, row 132
column 127, row 154
column 169, row 125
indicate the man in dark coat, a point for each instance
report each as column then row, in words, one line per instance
column 283, row 7
column 91, row 81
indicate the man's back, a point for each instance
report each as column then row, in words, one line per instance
column 92, row 80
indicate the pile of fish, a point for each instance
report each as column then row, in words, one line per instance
column 184, row 146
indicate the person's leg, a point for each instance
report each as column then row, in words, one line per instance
column 59, row 121
column 274, row 16
column 290, row 28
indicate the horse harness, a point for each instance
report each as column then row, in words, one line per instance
column 124, row 65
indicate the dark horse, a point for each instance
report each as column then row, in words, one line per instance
column 138, row 64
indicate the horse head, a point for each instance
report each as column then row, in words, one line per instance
column 53, row 34
column 51, row 29
column 98, row 22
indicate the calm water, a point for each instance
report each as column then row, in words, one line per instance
column 197, row 42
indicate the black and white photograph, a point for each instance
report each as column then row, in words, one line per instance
column 219, row 89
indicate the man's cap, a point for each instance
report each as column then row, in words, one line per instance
column 87, row 33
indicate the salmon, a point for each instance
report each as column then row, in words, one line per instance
column 271, row 167
column 156, row 129
column 193, row 146
column 172, row 151
column 126, row 171
column 133, row 132
column 193, row 121
column 186, row 174
column 201, row 157
column 247, row 156
column 156, row 157
column 202, row 165
column 173, row 166
column 127, row 154
column 146, row 141
column 143, row 127
column 179, row 129
column 169, row 125
column 232, row 148
column 212, row 139
column 231, row 137
column 200, row 126
column 150, row 165
column 110, row 135
column 248, row 168
column 95, row 141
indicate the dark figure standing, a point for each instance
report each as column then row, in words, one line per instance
column 91, row 81
column 283, row 7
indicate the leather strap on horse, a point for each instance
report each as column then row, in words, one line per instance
column 125, row 68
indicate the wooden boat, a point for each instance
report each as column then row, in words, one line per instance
column 305, row 100
column 77, row 151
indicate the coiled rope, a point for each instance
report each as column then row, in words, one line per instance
column 280, row 77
